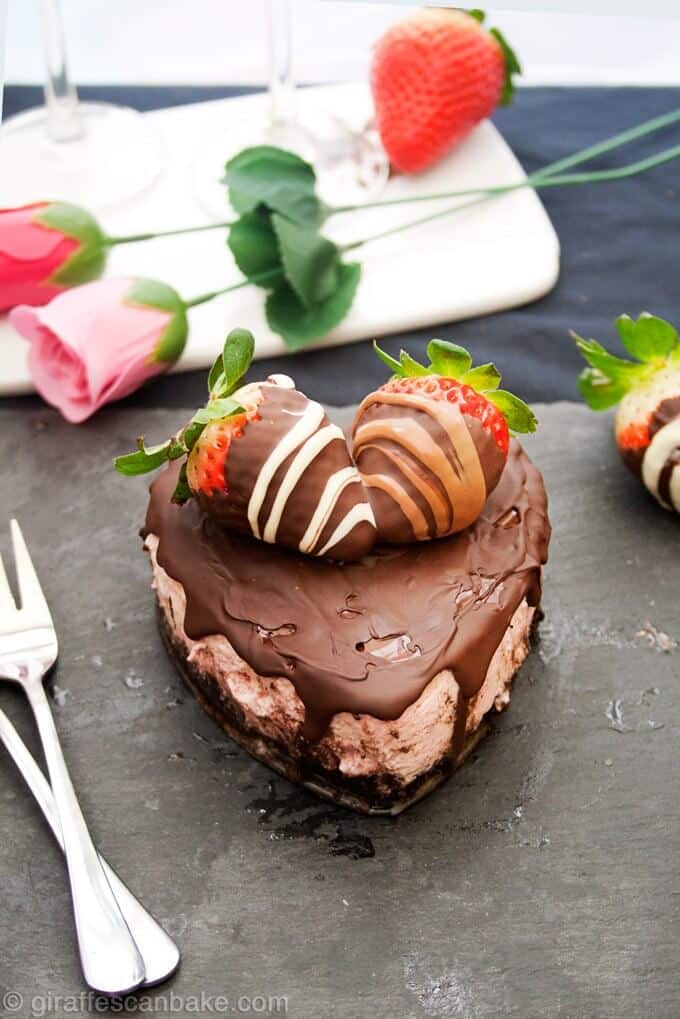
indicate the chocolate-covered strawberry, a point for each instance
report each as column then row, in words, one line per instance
column 264, row 460
column 431, row 443
column 647, row 391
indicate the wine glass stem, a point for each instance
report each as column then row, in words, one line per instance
column 61, row 99
column 281, row 82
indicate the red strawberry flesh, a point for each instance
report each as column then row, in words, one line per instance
column 207, row 465
column 435, row 76
column 470, row 402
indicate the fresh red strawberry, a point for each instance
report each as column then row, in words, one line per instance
column 429, row 469
column 647, row 391
column 435, row 75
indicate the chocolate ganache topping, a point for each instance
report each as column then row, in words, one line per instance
column 366, row 636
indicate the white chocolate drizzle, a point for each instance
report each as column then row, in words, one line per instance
column 335, row 486
column 359, row 512
column 657, row 457
column 307, row 424
column 307, row 452
column 307, row 440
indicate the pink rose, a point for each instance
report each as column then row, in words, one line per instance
column 46, row 248
column 101, row 341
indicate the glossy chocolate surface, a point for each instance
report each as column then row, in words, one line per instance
column 367, row 636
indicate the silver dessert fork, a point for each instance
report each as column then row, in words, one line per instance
column 159, row 952
column 109, row 957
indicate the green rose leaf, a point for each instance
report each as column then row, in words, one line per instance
column 482, row 378
column 298, row 325
column 519, row 417
column 650, row 339
column 311, row 263
column 253, row 244
column 277, row 179
column 448, row 358
column 236, row 358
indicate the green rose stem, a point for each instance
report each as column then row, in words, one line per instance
column 596, row 177
column 546, row 176
column 261, row 278
column 111, row 242
column 561, row 180
column 534, row 179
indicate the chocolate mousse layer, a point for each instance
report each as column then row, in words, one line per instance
column 364, row 637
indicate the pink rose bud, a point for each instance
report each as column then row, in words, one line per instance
column 99, row 342
column 46, row 248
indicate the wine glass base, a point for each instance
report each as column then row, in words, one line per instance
column 351, row 165
column 117, row 156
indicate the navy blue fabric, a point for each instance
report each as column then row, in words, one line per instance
column 619, row 242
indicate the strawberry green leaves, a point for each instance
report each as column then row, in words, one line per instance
column 519, row 417
column 512, row 66
column 225, row 376
column 482, row 378
column 607, row 379
column 454, row 362
column 147, row 458
column 448, row 358
column 650, row 339
column 391, row 362
column 232, row 364
column 598, row 391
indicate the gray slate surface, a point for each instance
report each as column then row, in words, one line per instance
column 541, row 881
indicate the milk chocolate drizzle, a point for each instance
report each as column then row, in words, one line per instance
column 428, row 467
column 367, row 636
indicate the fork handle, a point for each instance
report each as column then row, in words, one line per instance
column 109, row 957
column 158, row 950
